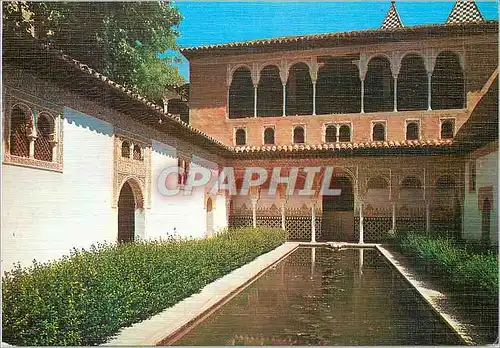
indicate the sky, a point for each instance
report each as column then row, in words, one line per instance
column 210, row 22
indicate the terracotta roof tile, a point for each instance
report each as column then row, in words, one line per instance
column 328, row 36
column 335, row 147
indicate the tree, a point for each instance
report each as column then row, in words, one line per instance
column 120, row 39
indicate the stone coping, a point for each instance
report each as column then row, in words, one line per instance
column 173, row 320
column 429, row 294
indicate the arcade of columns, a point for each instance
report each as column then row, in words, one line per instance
column 395, row 58
column 427, row 177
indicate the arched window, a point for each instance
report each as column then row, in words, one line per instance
column 270, row 92
column 379, row 86
column 241, row 94
column 412, row 131
column 299, row 91
column 137, row 154
column 377, row 183
column 269, row 136
column 447, row 129
column 45, row 133
column 338, row 87
column 411, row 182
column 126, row 149
column 344, row 133
column 20, row 128
column 412, row 84
column 378, row 132
column 241, row 137
column 331, row 133
column 448, row 82
column 298, row 135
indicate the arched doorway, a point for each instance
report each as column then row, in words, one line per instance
column 338, row 211
column 210, row 217
column 131, row 215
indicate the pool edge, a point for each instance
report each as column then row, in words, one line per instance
column 445, row 317
column 163, row 326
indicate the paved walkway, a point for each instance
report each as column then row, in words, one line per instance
column 154, row 330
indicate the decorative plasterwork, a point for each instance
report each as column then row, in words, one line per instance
column 34, row 107
column 136, row 172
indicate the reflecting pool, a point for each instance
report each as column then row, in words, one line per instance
column 317, row 296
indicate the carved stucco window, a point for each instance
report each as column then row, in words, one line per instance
column 32, row 134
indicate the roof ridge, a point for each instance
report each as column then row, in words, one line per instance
column 287, row 39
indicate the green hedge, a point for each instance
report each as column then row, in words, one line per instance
column 86, row 297
column 460, row 265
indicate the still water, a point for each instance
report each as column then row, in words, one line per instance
column 317, row 296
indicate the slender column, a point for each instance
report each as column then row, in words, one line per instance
column 427, row 217
column 314, row 97
column 337, row 130
column 394, row 217
column 395, row 94
column 32, row 139
column 361, row 231
column 283, row 218
column 255, row 101
column 284, row 99
column 362, row 96
column 254, row 212
column 313, row 223
column 313, row 262
column 429, row 91
column 361, row 261
column 53, row 144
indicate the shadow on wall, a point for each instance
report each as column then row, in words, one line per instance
column 89, row 122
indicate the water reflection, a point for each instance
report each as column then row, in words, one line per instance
column 317, row 296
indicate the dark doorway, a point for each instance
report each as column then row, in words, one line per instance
column 486, row 221
column 338, row 211
column 126, row 215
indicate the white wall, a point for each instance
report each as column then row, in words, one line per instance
column 45, row 213
column 486, row 175
column 185, row 214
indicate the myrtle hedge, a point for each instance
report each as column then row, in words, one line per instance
column 86, row 297
column 463, row 266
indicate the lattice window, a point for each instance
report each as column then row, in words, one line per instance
column 299, row 135
column 45, row 135
column 447, row 129
column 137, row 153
column 331, row 134
column 412, row 131
column 269, row 136
column 125, row 149
column 378, row 132
column 20, row 128
column 344, row 133
column 241, row 137
column 375, row 229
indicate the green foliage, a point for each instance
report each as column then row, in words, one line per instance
column 88, row 296
column 460, row 265
column 120, row 39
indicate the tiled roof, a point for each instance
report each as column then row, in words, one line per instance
column 392, row 19
column 333, row 147
column 187, row 51
column 163, row 116
column 465, row 11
